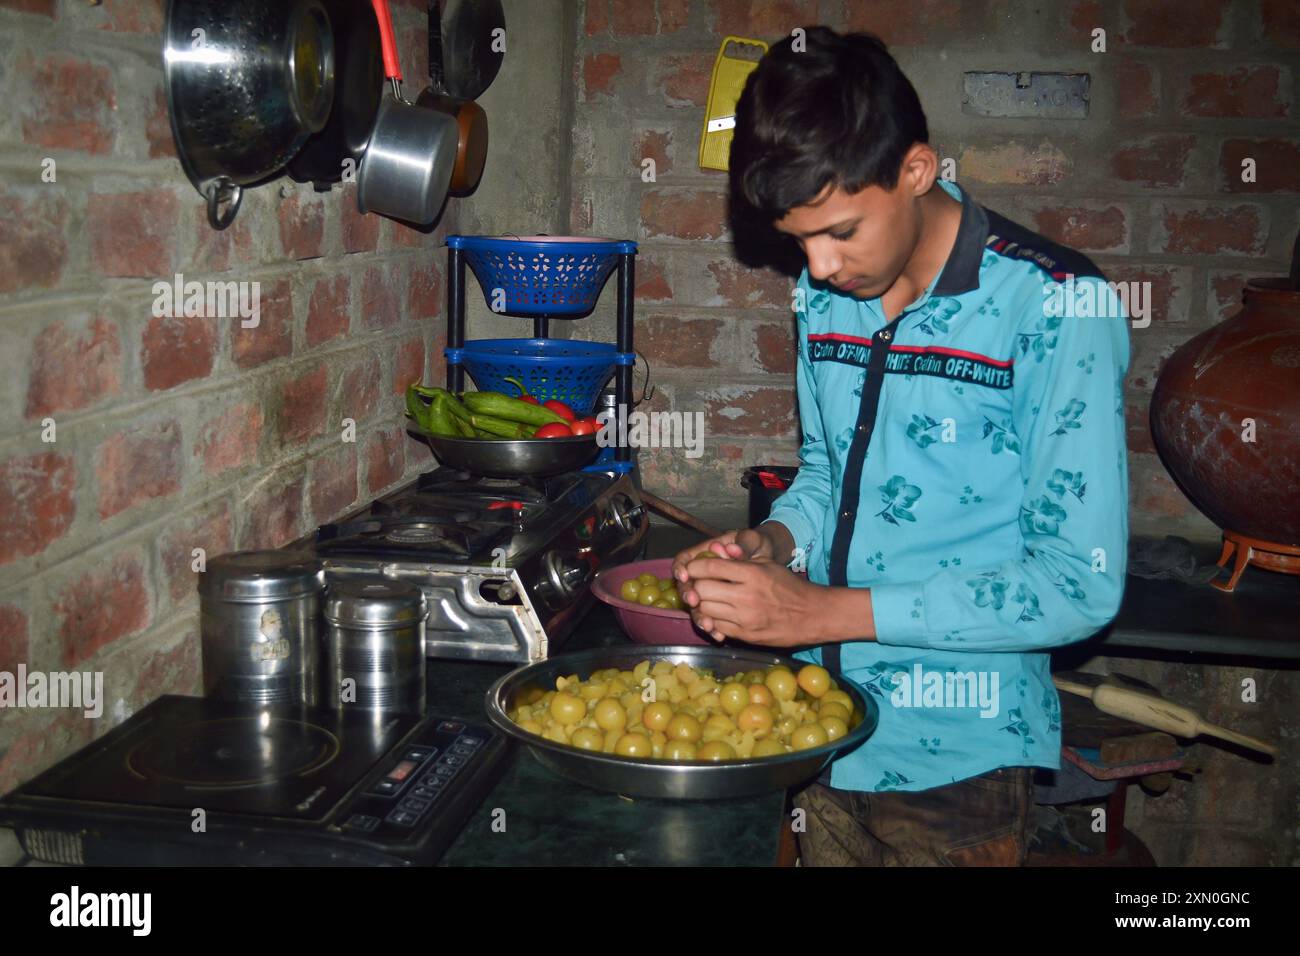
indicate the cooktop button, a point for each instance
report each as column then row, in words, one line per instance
column 424, row 793
column 469, row 741
column 445, row 771
column 403, row 818
column 450, row 727
column 463, row 751
column 385, row 788
column 415, row 804
column 361, row 821
column 419, row 753
column 451, row 760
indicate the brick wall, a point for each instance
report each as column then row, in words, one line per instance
column 170, row 433
column 1149, row 184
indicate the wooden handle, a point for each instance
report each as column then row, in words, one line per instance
column 675, row 514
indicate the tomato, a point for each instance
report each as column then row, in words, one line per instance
column 553, row 430
column 564, row 411
column 584, row 426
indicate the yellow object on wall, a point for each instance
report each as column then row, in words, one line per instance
column 737, row 58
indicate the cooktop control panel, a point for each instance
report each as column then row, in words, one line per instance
column 407, row 787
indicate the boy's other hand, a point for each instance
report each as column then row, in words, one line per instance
column 746, row 543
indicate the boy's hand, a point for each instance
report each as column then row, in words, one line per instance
column 746, row 543
column 757, row 600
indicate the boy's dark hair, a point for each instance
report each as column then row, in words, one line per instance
column 840, row 111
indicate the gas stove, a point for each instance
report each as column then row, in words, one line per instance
column 505, row 565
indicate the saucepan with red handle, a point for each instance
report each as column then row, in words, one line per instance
column 407, row 166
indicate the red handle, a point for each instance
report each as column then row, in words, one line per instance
column 392, row 68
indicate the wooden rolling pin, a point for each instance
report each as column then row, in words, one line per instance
column 676, row 514
column 1158, row 713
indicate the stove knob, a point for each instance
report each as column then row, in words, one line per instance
column 565, row 573
column 626, row 514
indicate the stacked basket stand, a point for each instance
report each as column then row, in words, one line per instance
column 544, row 278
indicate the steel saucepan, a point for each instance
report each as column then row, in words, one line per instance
column 247, row 82
column 408, row 162
column 683, row 780
column 512, row 458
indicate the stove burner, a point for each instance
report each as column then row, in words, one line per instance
column 418, row 533
column 235, row 752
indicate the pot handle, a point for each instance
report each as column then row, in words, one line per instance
column 216, row 192
column 435, row 48
column 392, row 68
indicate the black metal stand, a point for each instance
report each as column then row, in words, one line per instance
column 541, row 330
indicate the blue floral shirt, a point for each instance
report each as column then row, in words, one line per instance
column 966, row 462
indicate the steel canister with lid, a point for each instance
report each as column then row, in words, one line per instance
column 374, row 645
column 260, row 620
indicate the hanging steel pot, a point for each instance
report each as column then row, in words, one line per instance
column 408, row 162
column 247, row 82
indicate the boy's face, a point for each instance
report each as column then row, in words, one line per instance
column 859, row 242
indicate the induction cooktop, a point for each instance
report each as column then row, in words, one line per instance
column 199, row 781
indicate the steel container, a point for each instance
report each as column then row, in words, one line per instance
column 260, row 622
column 512, row 457
column 374, row 645
column 662, row 779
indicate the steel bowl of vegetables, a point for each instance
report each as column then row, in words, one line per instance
column 499, row 436
column 697, row 723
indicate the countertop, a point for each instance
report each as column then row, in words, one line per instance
column 549, row 820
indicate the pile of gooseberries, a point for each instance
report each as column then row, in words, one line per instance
column 673, row 712
column 650, row 591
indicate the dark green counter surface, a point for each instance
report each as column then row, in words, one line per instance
column 550, row 821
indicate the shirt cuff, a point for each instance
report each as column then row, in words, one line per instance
column 800, row 528
column 899, row 612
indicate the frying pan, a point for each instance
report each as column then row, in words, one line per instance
column 469, row 64
column 407, row 166
column 358, row 88
column 471, row 120
column 247, row 82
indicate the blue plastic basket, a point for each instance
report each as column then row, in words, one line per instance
column 571, row 371
column 543, row 277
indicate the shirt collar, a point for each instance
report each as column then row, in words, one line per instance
column 961, row 273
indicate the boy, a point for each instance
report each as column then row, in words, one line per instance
column 961, row 507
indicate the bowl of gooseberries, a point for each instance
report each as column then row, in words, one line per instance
column 693, row 723
column 645, row 600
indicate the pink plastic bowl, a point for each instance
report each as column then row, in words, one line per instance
column 646, row 625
